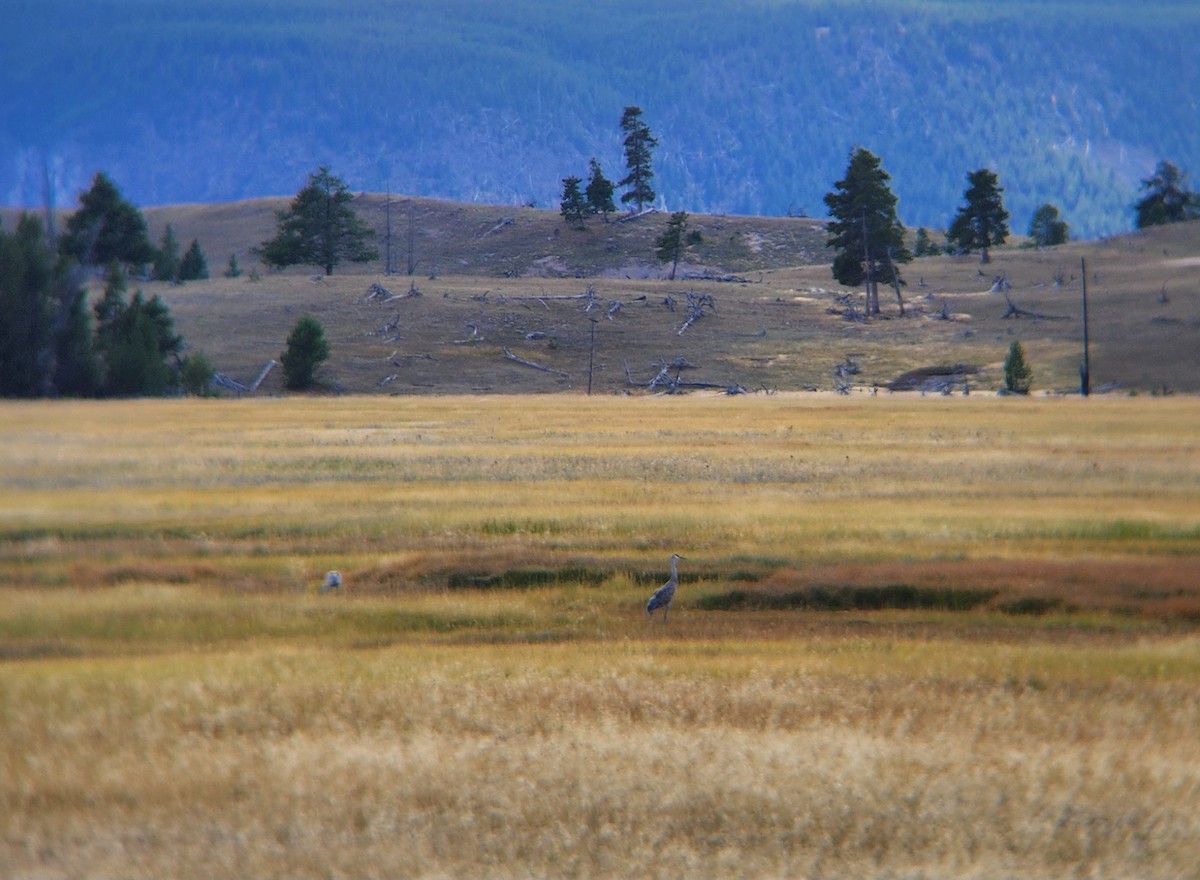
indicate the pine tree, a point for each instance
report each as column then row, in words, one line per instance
column 107, row 228
column 136, row 341
column 574, row 205
column 925, row 246
column 25, row 309
column 77, row 368
column 234, row 270
column 320, row 228
column 46, row 341
column 1018, row 375
column 982, row 222
column 307, row 349
column 193, row 266
column 599, row 191
column 166, row 259
column 1046, row 229
column 639, row 143
column 109, row 308
column 195, row 375
column 135, row 363
column 1167, row 198
column 674, row 241
column 866, row 235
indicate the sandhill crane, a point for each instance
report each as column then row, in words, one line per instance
column 333, row 581
column 664, row 595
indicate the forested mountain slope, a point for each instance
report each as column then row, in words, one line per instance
column 756, row 105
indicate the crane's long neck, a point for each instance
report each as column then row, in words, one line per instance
column 674, row 563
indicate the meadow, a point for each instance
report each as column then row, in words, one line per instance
column 915, row 637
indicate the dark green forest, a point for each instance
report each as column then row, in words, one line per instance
column 756, row 105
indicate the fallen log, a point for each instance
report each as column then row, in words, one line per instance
column 504, row 221
column 536, row 366
column 668, row 383
column 1015, row 311
column 220, row 380
column 698, row 303
column 636, row 216
column 378, row 291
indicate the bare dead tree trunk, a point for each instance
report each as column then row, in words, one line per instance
column 48, row 200
column 896, row 281
column 872, row 304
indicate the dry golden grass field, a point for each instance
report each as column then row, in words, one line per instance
column 940, row 637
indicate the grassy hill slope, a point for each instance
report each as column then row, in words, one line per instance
column 491, row 280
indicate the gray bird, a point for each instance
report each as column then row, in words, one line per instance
column 333, row 581
column 665, row 594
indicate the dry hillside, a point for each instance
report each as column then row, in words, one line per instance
column 507, row 299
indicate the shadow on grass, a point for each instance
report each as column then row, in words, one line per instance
column 846, row 598
column 1035, row 605
column 527, row 578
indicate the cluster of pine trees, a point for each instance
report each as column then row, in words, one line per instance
column 868, row 239
column 51, row 344
column 597, row 198
column 866, row 235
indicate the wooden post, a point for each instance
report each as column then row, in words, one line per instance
column 591, row 357
column 412, row 263
column 1085, row 385
column 387, row 237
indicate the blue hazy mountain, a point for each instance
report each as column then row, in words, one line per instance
column 756, row 105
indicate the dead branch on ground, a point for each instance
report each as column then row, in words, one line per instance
column 637, row 216
column 222, row 381
column 378, row 291
column 504, row 221
column 536, row 366
column 699, row 305
column 1015, row 311
column 667, row 383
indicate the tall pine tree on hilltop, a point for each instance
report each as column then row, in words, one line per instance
column 599, row 191
column 106, row 228
column 865, row 234
column 639, row 143
column 320, row 228
column 982, row 222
